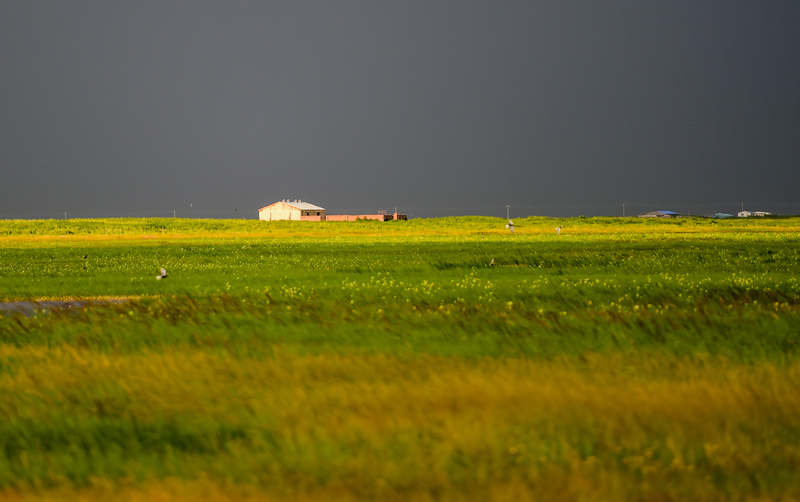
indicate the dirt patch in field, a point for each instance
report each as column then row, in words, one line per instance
column 29, row 308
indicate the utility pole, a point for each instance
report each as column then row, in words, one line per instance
column 742, row 206
column 623, row 209
column 507, row 212
column 173, row 213
column 65, row 215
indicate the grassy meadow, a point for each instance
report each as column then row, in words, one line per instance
column 627, row 359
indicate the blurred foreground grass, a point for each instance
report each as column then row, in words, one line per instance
column 652, row 364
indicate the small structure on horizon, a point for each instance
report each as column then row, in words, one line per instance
column 720, row 216
column 659, row 214
column 747, row 214
column 297, row 210
column 376, row 217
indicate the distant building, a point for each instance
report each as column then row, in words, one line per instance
column 659, row 214
column 291, row 210
column 355, row 217
column 297, row 210
column 747, row 214
column 719, row 216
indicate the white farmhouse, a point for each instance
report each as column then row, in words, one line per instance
column 746, row 214
column 291, row 210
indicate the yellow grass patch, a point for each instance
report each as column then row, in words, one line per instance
column 607, row 426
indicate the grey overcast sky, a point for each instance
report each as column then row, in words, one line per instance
column 559, row 108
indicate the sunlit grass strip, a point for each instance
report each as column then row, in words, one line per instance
column 158, row 228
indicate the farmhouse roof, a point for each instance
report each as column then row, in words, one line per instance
column 298, row 204
column 671, row 213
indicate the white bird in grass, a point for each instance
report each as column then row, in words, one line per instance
column 558, row 230
column 510, row 226
column 491, row 263
column 163, row 274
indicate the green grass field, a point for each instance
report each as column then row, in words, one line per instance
column 627, row 359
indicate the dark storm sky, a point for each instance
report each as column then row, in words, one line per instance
column 439, row 108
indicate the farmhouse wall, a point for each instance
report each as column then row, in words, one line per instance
column 354, row 217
